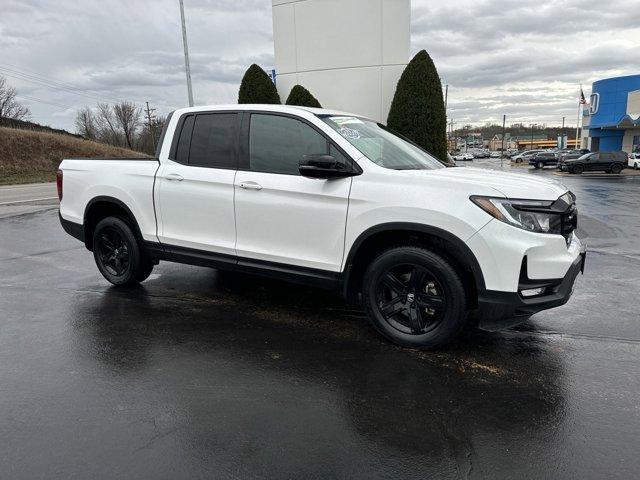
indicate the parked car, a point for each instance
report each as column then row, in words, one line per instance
column 544, row 159
column 611, row 162
column 331, row 200
column 495, row 155
column 481, row 154
column 462, row 157
column 525, row 156
column 634, row 160
column 572, row 154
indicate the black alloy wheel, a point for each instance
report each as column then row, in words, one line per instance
column 117, row 252
column 616, row 168
column 113, row 251
column 414, row 297
column 578, row 169
column 411, row 299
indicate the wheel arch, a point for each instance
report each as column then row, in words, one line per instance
column 380, row 237
column 105, row 206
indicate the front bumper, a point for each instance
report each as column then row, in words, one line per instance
column 497, row 310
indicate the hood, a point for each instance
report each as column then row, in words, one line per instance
column 511, row 185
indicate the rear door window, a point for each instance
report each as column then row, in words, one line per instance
column 213, row 143
column 182, row 151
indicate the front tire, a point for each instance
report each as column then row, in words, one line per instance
column 616, row 168
column 414, row 297
column 578, row 169
column 118, row 254
column 539, row 165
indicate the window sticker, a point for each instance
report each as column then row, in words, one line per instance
column 350, row 133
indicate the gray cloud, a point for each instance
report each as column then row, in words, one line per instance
column 498, row 56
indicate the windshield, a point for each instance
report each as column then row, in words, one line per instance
column 381, row 146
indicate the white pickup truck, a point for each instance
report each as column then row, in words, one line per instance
column 333, row 200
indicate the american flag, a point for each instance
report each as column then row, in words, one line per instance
column 583, row 101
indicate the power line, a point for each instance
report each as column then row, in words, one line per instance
column 32, row 74
column 47, row 82
column 39, row 100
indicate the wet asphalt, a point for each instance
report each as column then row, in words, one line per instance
column 201, row 374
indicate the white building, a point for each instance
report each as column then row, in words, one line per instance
column 348, row 53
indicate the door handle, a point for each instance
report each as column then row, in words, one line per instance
column 250, row 186
column 174, row 177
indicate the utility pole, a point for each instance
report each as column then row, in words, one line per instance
column 579, row 115
column 451, row 124
column 532, row 125
column 187, row 67
column 446, row 96
column 504, row 124
column 565, row 144
column 150, row 119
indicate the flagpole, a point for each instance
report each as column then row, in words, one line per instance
column 579, row 112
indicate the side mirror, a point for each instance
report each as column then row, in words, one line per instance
column 324, row 166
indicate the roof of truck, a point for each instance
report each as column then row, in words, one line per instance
column 265, row 107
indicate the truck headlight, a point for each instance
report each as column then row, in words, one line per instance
column 530, row 215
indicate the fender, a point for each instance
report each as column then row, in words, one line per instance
column 467, row 256
column 119, row 203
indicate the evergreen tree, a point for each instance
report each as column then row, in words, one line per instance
column 302, row 97
column 257, row 87
column 417, row 110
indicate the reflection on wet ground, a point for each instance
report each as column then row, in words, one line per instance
column 203, row 374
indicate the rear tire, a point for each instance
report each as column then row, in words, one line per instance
column 414, row 297
column 117, row 253
column 616, row 168
column 578, row 169
column 539, row 165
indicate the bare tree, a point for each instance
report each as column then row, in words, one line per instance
column 9, row 106
column 120, row 125
column 86, row 124
column 127, row 116
column 107, row 125
column 149, row 136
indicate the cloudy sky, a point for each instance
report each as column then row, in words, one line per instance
column 521, row 58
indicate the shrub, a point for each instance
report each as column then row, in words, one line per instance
column 417, row 110
column 302, row 97
column 257, row 87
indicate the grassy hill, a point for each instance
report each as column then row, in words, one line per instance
column 31, row 156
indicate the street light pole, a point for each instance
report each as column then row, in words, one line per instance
column 446, row 97
column 531, row 146
column 187, row 67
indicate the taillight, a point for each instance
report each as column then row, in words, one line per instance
column 59, row 183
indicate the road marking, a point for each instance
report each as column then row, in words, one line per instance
column 15, row 202
column 4, row 188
